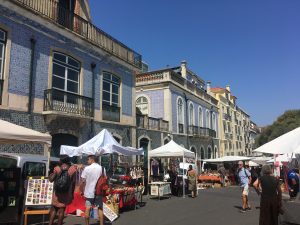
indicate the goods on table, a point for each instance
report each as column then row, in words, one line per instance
column 207, row 180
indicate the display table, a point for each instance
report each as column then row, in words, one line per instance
column 207, row 178
column 125, row 196
column 291, row 212
column 160, row 189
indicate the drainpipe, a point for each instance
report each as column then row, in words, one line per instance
column 187, row 121
column 93, row 66
column 211, row 126
column 32, row 41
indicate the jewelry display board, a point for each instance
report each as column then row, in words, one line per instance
column 39, row 192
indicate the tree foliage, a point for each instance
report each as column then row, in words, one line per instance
column 285, row 123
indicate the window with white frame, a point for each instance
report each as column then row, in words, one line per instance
column 65, row 73
column 214, row 121
column 200, row 115
column 142, row 105
column 191, row 114
column 207, row 119
column 2, row 52
column 180, row 115
column 111, row 89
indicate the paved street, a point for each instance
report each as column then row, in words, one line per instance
column 212, row 207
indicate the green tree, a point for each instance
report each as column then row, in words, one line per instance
column 284, row 123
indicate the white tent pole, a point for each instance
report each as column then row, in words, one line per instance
column 196, row 160
column 183, row 181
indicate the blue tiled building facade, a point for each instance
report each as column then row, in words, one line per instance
column 59, row 79
column 172, row 103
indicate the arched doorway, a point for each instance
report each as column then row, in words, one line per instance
column 216, row 152
column 209, row 155
column 202, row 153
column 62, row 139
column 166, row 141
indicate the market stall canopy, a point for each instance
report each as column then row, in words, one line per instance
column 14, row 134
column 286, row 143
column 71, row 151
column 103, row 143
column 227, row 159
column 171, row 149
column 251, row 163
column 282, row 158
column 262, row 160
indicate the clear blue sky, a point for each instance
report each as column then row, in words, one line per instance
column 254, row 46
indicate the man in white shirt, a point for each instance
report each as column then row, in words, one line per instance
column 90, row 176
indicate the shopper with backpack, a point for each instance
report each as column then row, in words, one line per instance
column 92, row 185
column 244, row 177
column 63, row 177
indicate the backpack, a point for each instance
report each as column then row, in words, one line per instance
column 62, row 182
column 101, row 186
column 249, row 177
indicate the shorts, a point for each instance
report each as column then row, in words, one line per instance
column 97, row 202
column 245, row 190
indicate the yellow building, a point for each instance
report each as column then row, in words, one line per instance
column 233, row 122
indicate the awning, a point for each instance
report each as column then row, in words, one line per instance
column 171, row 149
column 227, row 159
column 14, row 134
column 103, row 143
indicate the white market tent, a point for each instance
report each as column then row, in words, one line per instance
column 251, row 163
column 286, row 143
column 103, row 143
column 14, row 134
column 171, row 149
column 227, row 159
column 262, row 160
column 282, row 158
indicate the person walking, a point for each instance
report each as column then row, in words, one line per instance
column 90, row 176
column 270, row 201
column 222, row 173
column 192, row 181
column 293, row 182
column 244, row 177
column 63, row 177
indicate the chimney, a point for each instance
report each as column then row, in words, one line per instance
column 183, row 68
column 208, row 85
column 228, row 88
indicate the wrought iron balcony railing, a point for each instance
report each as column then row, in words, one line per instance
column 143, row 121
column 1, row 90
column 164, row 125
column 54, row 11
column 226, row 117
column 202, row 131
column 60, row 101
column 228, row 136
column 110, row 113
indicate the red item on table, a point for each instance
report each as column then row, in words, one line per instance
column 77, row 203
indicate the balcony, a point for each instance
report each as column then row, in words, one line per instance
column 164, row 125
column 64, row 102
column 1, row 90
column 202, row 131
column 145, row 122
column 110, row 113
column 228, row 136
column 52, row 10
column 226, row 117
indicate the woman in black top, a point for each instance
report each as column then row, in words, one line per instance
column 270, row 201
